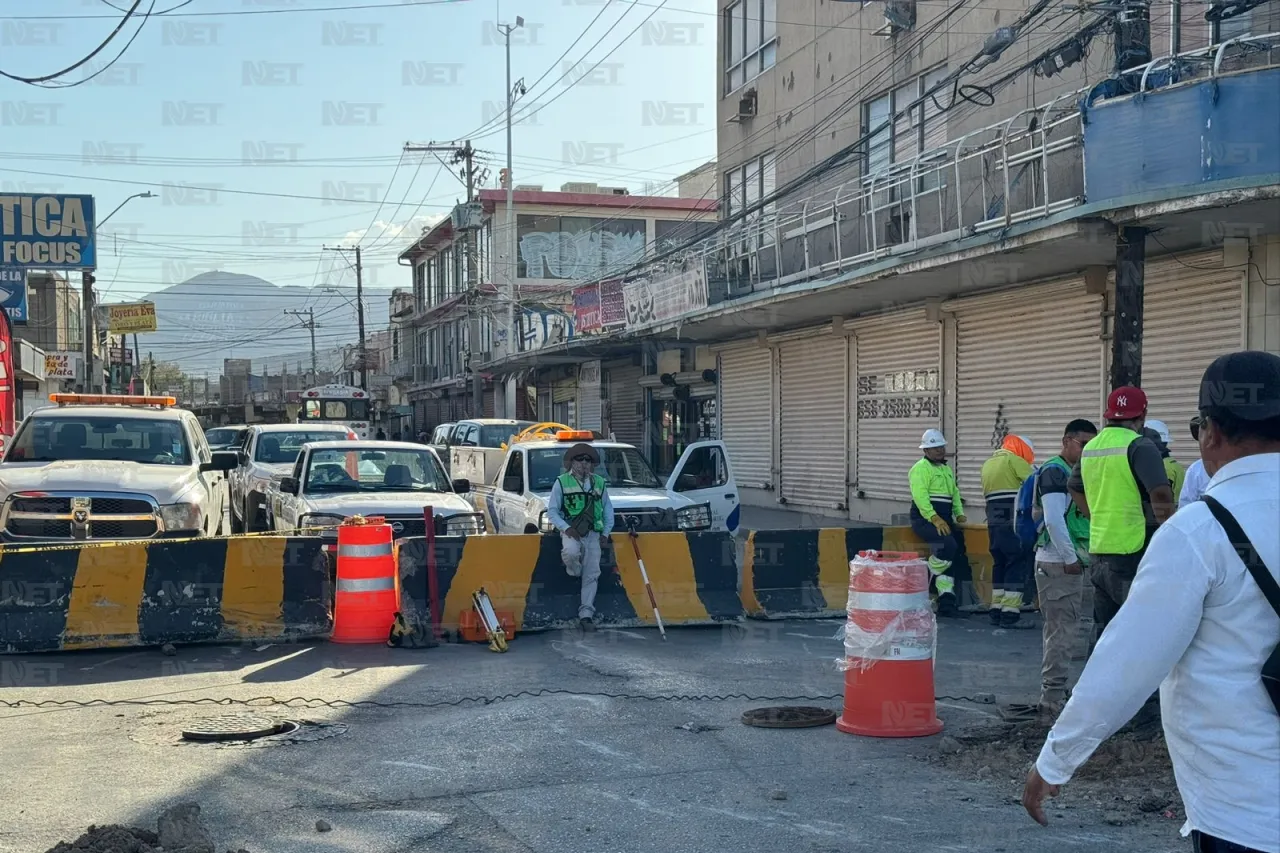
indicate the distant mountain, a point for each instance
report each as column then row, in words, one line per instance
column 217, row 315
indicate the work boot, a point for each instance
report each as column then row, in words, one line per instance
column 994, row 613
column 1010, row 618
column 588, row 626
column 947, row 606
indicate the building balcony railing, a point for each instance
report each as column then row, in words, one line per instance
column 1024, row 168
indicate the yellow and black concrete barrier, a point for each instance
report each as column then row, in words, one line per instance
column 93, row 596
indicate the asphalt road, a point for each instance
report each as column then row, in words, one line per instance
column 564, row 772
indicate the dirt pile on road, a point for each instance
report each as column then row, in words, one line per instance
column 179, row 830
column 1129, row 776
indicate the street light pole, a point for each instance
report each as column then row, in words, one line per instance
column 364, row 375
column 90, row 332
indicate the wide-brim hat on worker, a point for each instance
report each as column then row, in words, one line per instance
column 581, row 450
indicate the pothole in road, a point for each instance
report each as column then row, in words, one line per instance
column 231, row 731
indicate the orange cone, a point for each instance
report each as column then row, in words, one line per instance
column 366, row 599
column 889, row 640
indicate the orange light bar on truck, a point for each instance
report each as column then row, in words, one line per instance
column 575, row 435
column 111, row 400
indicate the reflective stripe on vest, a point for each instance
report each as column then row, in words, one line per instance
column 366, row 584
column 1117, row 523
column 383, row 550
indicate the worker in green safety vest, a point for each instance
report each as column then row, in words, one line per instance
column 1121, row 486
column 936, row 515
column 580, row 508
column 1062, row 551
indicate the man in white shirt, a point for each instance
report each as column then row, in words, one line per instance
column 1197, row 624
column 1197, row 479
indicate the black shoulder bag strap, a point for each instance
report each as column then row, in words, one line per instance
column 1270, row 589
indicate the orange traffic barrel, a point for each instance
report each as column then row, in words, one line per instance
column 365, row 598
column 889, row 643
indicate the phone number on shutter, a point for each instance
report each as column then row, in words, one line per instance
column 898, row 407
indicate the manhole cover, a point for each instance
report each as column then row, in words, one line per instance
column 233, row 727
column 788, row 717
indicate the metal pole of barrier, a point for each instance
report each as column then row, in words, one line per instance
column 433, row 579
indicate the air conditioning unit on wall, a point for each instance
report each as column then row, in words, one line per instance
column 748, row 104
column 899, row 16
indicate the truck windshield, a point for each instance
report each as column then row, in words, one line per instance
column 106, row 439
column 620, row 466
column 282, row 448
column 370, row 470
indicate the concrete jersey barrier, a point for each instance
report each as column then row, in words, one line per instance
column 694, row 578
column 97, row 596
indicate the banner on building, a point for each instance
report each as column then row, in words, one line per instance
column 47, row 231
column 586, row 309
column 613, row 307
column 13, row 293
column 660, row 299
column 61, row 365
column 131, row 317
column 8, row 394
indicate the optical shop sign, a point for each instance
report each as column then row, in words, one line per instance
column 47, row 231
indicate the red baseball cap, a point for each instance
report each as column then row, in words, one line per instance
column 1126, row 403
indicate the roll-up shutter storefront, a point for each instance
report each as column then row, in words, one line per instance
column 899, row 396
column 1028, row 361
column 746, row 413
column 1192, row 313
column 626, row 420
column 564, row 391
column 589, row 396
column 813, row 388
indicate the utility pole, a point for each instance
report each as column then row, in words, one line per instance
column 465, row 154
column 310, row 325
column 513, row 267
column 364, row 375
column 1133, row 50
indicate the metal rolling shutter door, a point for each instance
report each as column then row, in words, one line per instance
column 746, row 419
column 1027, row 363
column 1189, row 318
column 813, row 385
column 898, row 360
column 589, row 408
column 625, row 395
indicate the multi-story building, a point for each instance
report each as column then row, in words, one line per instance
column 963, row 216
column 581, row 232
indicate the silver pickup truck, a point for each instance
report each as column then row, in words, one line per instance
column 334, row 480
column 95, row 469
column 268, row 452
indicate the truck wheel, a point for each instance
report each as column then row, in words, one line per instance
column 237, row 526
column 250, row 517
column 529, row 528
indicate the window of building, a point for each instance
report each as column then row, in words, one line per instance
column 751, row 38
column 419, row 284
column 902, row 125
column 747, row 184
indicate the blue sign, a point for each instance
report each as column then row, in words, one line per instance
column 13, row 293
column 47, row 232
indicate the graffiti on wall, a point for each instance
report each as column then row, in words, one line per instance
column 543, row 328
column 578, row 254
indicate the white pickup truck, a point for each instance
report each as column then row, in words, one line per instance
column 334, row 480
column 268, row 452
column 700, row 494
column 104, row 467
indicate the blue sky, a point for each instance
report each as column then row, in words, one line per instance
column 298, row 98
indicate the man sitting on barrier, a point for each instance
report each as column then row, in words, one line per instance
column 581, row 510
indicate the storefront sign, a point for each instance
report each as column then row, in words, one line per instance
column 613, row 305
column 586, row 309
column 62, row 365
column 904, row 394
column 650, row 301
column 47, row 231
column 131, row 317
column 13, row 293
column 7, row 392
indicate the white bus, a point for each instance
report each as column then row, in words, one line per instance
column 338, row 404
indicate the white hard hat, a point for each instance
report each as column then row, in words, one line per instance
column 1161, row 430
column 932, row 438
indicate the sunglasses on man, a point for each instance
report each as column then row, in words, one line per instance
column 1195, row 428
column 582, row 458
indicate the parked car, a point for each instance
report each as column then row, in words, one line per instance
column 225, row 437
column 700, row 494
column 472, row 447
column 110, row 467
column 267, row 452
column 334, row 480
